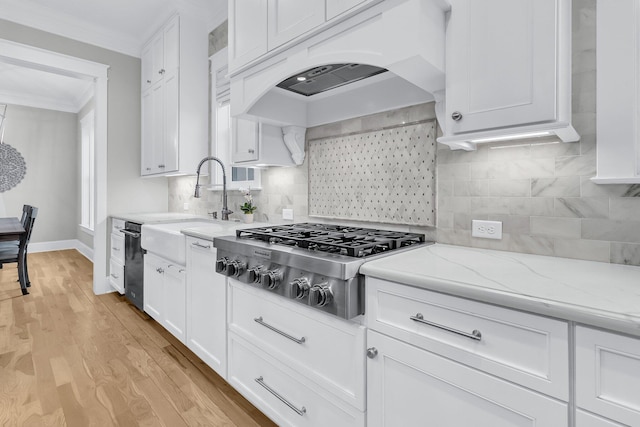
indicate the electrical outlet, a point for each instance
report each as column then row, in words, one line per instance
column 287, row 214
column 185, row 206
column 486, row 229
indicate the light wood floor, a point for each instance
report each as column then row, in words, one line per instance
column 69, row 357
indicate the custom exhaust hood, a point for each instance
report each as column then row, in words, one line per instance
column 388, row 56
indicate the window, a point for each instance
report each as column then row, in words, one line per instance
column 237, row 177
column 87, row 187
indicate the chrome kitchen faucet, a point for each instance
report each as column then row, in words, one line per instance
column 225, row 208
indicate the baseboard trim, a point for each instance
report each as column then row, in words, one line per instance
column 60, row 245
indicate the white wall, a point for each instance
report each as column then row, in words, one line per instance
column 48, row 143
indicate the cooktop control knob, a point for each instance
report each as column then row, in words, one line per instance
column 254, row 274
column 300, row 287
column 221, row 265
column 320, row 295
column 271, row 278
column 235, row 268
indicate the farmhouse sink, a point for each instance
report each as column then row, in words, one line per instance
column 166, row 240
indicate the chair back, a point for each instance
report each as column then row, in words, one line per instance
column 26, row 211
column 32, row 213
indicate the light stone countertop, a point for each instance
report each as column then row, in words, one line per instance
column 593, row 293
column 158, row 217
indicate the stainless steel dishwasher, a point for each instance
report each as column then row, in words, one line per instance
column 133, row 264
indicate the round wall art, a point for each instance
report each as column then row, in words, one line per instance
column 12, row 167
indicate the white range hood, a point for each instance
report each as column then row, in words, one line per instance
column 406, row 37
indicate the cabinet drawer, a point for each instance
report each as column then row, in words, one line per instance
column 608, row 374
column 272, row 386
column 116, row 275
column 524, row 348
column 585, row 419
column 117, row 225
column 408, row 386
column 327, row 350
column 117, row 247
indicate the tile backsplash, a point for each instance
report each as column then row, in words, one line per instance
column 542, row 193
column 383, row 176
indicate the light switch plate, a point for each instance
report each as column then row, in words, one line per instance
column 486, row 229
column 287, row 214
column 185, row 206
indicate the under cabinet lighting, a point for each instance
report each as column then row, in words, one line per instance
column 510, row 137
column 528, row 144
column 301, row 78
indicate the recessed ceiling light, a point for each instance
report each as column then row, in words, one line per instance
column 301, row 78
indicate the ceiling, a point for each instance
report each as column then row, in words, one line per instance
column 119, row 25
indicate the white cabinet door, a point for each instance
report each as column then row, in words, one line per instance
column 245, row 140
column 171, row 47
column 153, row 284
column 157, row 59
column 206, row 306
column 585, row 419
column 407, row 386
column 501, row 64
column 175, row 293
column 170, row 115
column 289, row 19
column 336, row 7
column 608, row 374
column 247, row 31
column 150, row 131
column 146, row 59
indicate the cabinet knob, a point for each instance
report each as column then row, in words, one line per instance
column 372, row 352
column 161, row 71
column 148, row 81
column 251, row 150
column 456, row 116
column 161, row 166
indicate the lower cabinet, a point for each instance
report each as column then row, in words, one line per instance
column 206, row 306
column 607, row 378
column 409, row 386
column 285, row 396
column 301, row 367
column 165, row 293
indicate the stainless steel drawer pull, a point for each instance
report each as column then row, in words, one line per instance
column 284, row 334
column 116, row 249
column 130, row 233
column 300, row 411
column 475, row 335
column 201, row 246
column 115, row 276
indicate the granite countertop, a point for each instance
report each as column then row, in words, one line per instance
column 593, row 293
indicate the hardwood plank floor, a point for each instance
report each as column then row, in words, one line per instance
column 69, row 357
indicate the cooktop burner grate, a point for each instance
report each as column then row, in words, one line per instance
column 350, row 241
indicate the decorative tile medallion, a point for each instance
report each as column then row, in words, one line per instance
column 12, row 167
column 385, row 176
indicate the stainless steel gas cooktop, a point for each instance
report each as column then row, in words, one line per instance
column 313, row 264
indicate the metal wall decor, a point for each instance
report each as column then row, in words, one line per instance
column 12, row 165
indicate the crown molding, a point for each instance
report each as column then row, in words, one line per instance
column 52, row 21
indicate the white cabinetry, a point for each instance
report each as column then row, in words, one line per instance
column 257, row 27
column 406, row 386
column 479, row 364
column 116, row 262
column 618, row 98
column 174, row 106
column 245, row 140
column 501, row 86
column 312, row 359
column 607, row 377
column 165, row 293
column 288, row 19
column 206, row 306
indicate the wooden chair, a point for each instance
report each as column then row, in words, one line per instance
column 26, row 211
column 18, row 254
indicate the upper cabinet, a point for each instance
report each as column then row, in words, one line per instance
column 617, row 95
column 257, row 27
column 288, row 19
column 174, row 106
column 508, row 71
